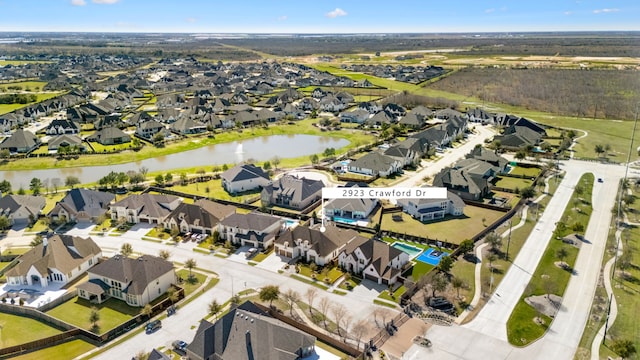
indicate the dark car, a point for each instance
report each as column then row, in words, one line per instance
column 179, row 345
column 600, row 180
column 153, row 326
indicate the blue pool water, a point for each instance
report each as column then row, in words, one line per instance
column 411, row 250
column 345, row 220
column 430, row 257
column 290, row 223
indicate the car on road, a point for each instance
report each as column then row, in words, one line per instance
column 153, row 326
column 600, row 180
column 179, row 345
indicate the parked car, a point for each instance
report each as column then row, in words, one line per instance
column 153, row 326
column 179, row 345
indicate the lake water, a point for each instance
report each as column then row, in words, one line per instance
column 259, row 149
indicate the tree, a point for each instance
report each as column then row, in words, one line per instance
column 144, row 171
column 172, row 294
column 94, row 317
column 339, row 313
column 314, row 159
column 275, row 161
column 439, row 283
column 359, row 330
column 311, row 294
column 269, row 293
column 466, row 246
column 528, row 192
column 5, row 187
column 168, row 177
column 147, row 310
column 521, row 154
column 214, row 308
column 126, row 250
column 291, row 296
column 457, row 283
column 71, row 181
column 235, row 301
column 136, row 178
column 325, row 304
column 190, row 264
column 21, row 191
column 4, row 222
column 164, row 254
column 159, row 180
column 445, row 264
column 491, row 258
column 35, row 186
column 494, row 240
column 562, row 254
column 624, row 263
column 623, row 347
column 266, row 165
column 599, row 149
column 183, row 178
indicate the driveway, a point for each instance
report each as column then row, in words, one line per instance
column 273, row 262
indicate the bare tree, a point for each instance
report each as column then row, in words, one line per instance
column 360, row 329
column 164, row 254
column 291, row 296
column 325, row 304
column 311, row 294
column 339, row 313
column 377, row 312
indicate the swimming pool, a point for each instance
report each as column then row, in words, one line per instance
column 431, row 256
column 411, row 250
column 288, row 223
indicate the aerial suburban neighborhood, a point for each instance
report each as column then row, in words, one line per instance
column 166, row 196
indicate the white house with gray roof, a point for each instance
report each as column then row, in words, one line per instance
column 21, row 209
column 253, row 229
column 314, row 245
column 292, row 192
column 374, row 260
column 134, row 281
column 433, row 209
column 374, row 164
column 244, row 177
column 145, row 208
column 349, row 208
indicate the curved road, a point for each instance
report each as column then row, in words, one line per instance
column 486, row 335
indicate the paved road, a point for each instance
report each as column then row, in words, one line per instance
column 485, row 336
column 234, row 277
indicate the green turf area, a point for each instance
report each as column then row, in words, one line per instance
column 24, row 85
column 21, row 329
column 76, row 311
column 190, row 286
column 549, row 278
column 68, row 350
column 393, row 297
column 513, row 183
column 525, row 171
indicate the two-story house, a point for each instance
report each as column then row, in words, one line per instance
column 134, row 281
column 433, row 209
column 292, row 192
column 374, row 260
column 145, row 208
column 244, row 177
column 252, row 229
column 314, row 245
column 201, row 217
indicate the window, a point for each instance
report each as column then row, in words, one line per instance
column 90, row 262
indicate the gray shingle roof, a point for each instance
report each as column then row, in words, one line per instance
column 136, row 274
column 251, row 221
column 94, row 203
column 324, row 243
column 244, row 172
column 295, row 189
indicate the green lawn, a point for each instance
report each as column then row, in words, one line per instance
column 193, row 285
column 76, row 311
column 21, row 329
column 68, row 350
column 7, row 108
column 521, row 330
column 451, row 229
column 464, row 270
column 395, row 297
column 356, row 76
column 513, row 183
column 24, row 84
column 519, row 170
column 213, row 189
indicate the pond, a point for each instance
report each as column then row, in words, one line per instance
column 259, row 149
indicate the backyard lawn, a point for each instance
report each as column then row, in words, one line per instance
column 526, row 171
column 76, row 311
column 17, row 330
column 451, row 229
column 513, row 183
column 68, row 350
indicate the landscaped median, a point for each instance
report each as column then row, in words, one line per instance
column 541, row 299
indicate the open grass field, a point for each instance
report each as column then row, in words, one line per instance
column 68, row 350
column 191, row 286
column 355, row 137
column 356, row 76
column 451, row 229
column 519, row 170
column 20, row 329
column 24, row 85
column 76, row 311
column 7, row 108
column 549, row 278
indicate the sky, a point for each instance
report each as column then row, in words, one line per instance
column 318, row 16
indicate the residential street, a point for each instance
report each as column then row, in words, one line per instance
column 485, row 336
column 234, row 277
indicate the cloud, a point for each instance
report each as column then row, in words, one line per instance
column 191, row 20
column 78, row 2
column 282, row 18
column 108, row 2
column 602, row 11
column 568, row 12
column 489, row 11
column 335, row 13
